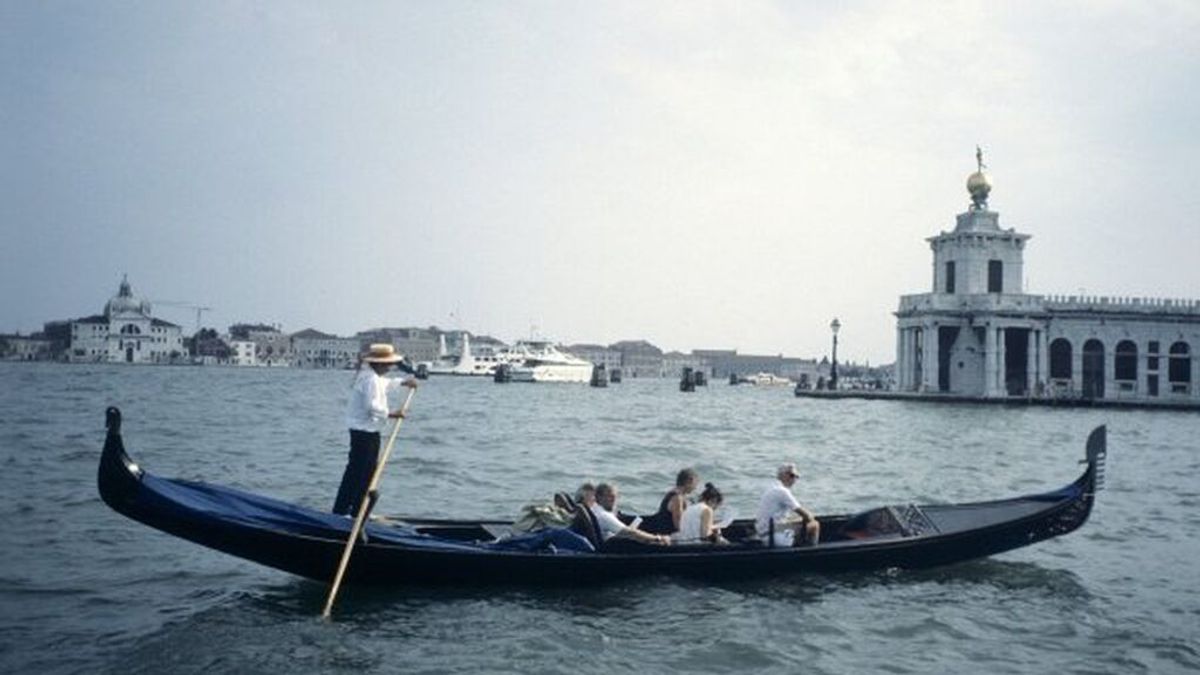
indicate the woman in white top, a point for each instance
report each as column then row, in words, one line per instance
column 696, row 524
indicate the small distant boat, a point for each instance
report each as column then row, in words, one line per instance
column 310, row 543
column 768, row 380
column 542, row 361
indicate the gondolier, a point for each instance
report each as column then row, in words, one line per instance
column 366, row 413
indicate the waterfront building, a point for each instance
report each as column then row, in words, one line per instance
column 242, row 352
column 416, row 344
column 725, row 362
column 313, row 349
column 639, row 358
column 674, row 362
column 125, row 333
column 17, row 347
column 272, row 347
column 978, row 333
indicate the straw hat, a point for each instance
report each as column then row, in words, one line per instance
column 382, row 353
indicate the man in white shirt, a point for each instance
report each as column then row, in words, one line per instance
column 779, row 511
column 610, row 526
column 366, row 413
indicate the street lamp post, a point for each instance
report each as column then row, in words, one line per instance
column 834, row 326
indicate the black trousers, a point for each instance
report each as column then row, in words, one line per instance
column 360, row 465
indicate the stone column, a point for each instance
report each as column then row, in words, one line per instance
column 1044, row 356
column 928, row 358
column 989, row 360
column 1031, row 360
column 899, row 355
column 1001, row 362
column 1076, row 365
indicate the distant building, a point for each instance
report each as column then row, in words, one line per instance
column 242, row 352
column 125, row 333
column 639, row 358
column 313, row 349
column 977, row 333
column 725, row 362
column 416, row 344
column 17, row 347
column 272, row 347
column 674, row 362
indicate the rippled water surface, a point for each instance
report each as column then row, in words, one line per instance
column 83, row 589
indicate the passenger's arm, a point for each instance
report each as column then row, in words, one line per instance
column 706, row 521
column 645, row 537
column 676, row 506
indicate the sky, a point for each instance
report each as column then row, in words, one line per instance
column 703, row 175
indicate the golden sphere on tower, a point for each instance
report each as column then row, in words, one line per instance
column 979, row 184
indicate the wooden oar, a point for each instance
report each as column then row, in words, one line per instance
column 364, row 507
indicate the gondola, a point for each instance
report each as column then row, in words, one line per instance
column 309, row 543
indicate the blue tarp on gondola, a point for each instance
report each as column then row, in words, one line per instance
column 202, row 502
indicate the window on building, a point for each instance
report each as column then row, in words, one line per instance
column 995, row 276
column 1179, row 364
column 1060, row 359
column 1153, row 347
column 1125, row 360
column 950, row 276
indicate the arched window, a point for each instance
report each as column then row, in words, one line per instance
column 1060, row 359
column 1125, row 360
column 130, row 329
column 1179, row 364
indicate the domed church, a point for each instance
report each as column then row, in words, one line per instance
column 125, row 333
column 979, row 334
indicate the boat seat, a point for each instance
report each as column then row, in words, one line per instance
column 584, row 524
column 563, row 501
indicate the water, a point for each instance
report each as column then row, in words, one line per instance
column 83, row 589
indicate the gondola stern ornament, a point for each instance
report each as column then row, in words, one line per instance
column 117, row 473
column 1097, row 453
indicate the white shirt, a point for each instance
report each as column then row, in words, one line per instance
column 609, row 524
column 689, row 523
column 776, row 503
column 367, row 409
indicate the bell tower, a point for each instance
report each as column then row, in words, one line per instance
column 978, row 257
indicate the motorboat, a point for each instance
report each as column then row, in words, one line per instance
column 542, row 361
column 768, row 380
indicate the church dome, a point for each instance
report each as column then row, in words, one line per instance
column 125, row 302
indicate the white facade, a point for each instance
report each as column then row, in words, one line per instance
column 125, row 333
column 978, row 334
column 242, row 352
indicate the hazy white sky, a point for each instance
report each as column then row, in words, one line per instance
column 702, row 175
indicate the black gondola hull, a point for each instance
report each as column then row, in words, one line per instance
column 314, row 550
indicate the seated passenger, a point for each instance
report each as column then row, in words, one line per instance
column 696, row 525
column 605, row 508
column 586, row 495
column 779, row 511
column 670, row 510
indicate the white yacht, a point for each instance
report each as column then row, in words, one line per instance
column 541, row 361
column 768, row 380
